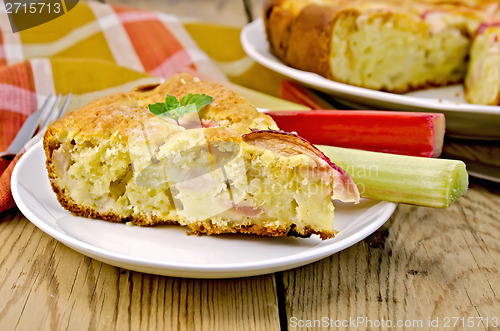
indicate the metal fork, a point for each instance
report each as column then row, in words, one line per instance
column 48, row 113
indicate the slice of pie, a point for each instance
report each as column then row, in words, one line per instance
column 482, row 84
column 225, row 169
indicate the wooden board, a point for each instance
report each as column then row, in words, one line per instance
column 45, row 284
column 422, row 264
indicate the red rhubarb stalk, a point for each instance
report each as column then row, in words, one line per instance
column 407, row 133
column 302, row 95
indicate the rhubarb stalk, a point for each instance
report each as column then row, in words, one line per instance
column 302, row 95
column 407, row 133
column 400, row 178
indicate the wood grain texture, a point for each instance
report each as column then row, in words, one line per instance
column 485, row 152
column 424, row 263
column 45, row 285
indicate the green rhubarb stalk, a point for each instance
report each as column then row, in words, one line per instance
column 402, row 179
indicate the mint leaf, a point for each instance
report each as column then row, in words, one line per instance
column 199, row 100
column 175, row 110
column 182, row 110
column 171, row 102
column 157, row 108
column 178, row 113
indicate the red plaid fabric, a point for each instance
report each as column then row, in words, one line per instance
column 94, row 47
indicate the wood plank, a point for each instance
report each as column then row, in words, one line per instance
column 483, row 152
column 424, row 263
column 45, row 284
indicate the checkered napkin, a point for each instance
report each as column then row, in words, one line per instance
column 96, row 49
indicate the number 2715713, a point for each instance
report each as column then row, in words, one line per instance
column 33, row 7
column 470, row 322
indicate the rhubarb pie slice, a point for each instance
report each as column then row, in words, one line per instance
column 224, row 169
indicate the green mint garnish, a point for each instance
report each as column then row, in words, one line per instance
column 175, row 110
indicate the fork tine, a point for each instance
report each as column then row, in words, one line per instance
column 44, row 121
column 63, row 107
column 45, row 110
column 27, row 129
column 41, row 131
column 42, row 113
column 44, row 105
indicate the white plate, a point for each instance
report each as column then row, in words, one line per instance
column 462, row 119
column 167, row 250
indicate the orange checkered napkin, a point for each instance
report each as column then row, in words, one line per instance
column 97, row 49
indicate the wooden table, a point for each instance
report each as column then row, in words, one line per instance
column 423, row 266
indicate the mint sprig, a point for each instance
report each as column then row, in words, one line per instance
column 175, row 109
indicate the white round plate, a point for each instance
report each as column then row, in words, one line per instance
column 462, row 119
column 167, row 250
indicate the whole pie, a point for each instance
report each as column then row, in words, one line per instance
column 226, row 169
column 392, row 45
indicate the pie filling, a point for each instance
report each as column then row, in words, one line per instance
column 189, row 179
column 397, row 52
